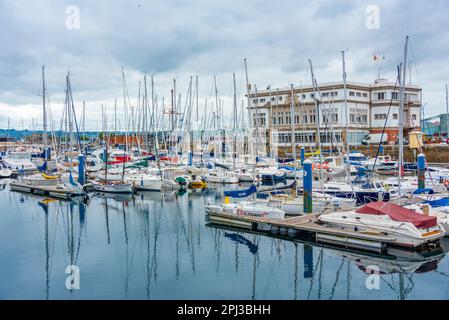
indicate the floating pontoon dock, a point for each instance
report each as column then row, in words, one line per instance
column 305, row 225
column 51, row 191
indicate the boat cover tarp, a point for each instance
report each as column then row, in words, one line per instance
column 398, row 213
column 443, row 202
column 241, row 193
column 424, row 191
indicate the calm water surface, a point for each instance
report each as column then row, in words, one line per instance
column 153, row 246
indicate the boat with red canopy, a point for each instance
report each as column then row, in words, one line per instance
column 408, row 227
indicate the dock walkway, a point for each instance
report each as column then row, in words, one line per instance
column 306, row 225
column 52, row 191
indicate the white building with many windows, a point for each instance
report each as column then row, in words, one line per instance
column 370, row 108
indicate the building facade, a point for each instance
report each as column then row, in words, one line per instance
column 371, row 108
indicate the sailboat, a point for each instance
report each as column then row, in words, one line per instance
column 105, row 185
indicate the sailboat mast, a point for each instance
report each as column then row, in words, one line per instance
column 145, row 111
column 447, row 113
column 115, row 121
column 317, row 120
column 249, row 109
column 70, row 113
column 196, row 94
column 217, row 115
column 234, row 153
column 292, row 127
column 44, row 125
column 401, row 116
column 153, row 122
column 84, row 117
column 345, row 102
column 173, row 106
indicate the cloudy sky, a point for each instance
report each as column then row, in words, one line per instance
column 179, row 39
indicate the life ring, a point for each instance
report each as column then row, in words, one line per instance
column 446, row 183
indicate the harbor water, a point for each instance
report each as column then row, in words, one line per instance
column 160, row 246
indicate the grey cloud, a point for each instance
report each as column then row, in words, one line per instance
column 179, row 39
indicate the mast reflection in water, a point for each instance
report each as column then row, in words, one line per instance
column 159, row 246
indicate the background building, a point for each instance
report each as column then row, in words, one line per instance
column 371, row 107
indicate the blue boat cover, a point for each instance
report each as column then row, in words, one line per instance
column 424, row 191
column 443, row 202
column 241, row 193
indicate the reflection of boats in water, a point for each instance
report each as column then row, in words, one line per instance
column 241, row 239
column 72, row 232
column 115, row 196
column 200, row 192
column 157, row 196
column 396, row 260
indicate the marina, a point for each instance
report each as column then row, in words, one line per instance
column 362, row 208
column 240, row 153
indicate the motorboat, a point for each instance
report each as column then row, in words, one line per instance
column 406, row 227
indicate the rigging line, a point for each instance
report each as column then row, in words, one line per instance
column 388, row 115
column 74, row 118
column 306, row 132
column 421, row 150
column 414, row 63
column 336, row 279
